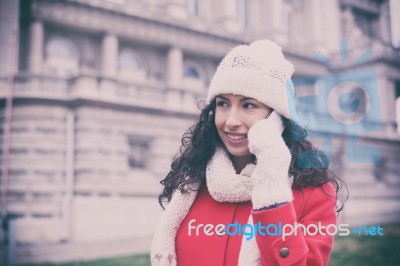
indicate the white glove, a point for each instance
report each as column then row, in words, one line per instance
column 271, row 175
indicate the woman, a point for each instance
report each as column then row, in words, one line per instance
column 246, row 165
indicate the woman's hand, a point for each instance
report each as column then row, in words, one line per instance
column 270, row 178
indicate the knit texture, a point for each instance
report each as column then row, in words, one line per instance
column 271, row 183
column 224, row 185
column 163, row 245
column 221, row 185
column 259, row 71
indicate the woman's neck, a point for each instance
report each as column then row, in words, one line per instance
column 240, row 162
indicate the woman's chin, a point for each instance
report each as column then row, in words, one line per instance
column 238, row 152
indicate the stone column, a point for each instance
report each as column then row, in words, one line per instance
column 255, row 13
column 174, row 68
column 384, row 24
column 35, row 62
column 393, row 103
column 176, row 8
column 272, row 20
column 174, row 78
column 9, row 24
column 109, row 66
column 68, row 195
column 228, row 15
column 331, row 11
column 394, row 6
column 397, row 107
column 386, row 90
column 109, row 55
column 206, row 10
column 316, row 23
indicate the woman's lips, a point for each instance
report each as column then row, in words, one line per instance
column 235, row 138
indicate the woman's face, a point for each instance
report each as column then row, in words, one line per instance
column 234, row 115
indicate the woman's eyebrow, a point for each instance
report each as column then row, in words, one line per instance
column 245, row 99
column 223, row 97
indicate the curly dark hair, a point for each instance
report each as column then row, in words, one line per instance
column 309, row 165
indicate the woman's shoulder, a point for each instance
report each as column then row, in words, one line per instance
column 314, row 197
column 323, row 190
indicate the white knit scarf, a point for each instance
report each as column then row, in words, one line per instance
column 224, row 185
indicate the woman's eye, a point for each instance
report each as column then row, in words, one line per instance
column 249, row 105
column 222, row 104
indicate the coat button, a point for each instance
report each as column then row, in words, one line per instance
column 284, row 252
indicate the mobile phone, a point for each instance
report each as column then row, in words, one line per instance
column 277, row 118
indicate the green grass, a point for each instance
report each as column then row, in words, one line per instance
column 368, row 250
column 137, row 260
column 348, row 250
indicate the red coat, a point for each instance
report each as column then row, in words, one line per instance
column 310, row 206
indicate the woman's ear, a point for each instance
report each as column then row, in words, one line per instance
column 277, row 118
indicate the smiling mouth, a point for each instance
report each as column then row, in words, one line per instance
column 236, row 137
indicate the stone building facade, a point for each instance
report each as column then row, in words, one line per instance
column 104, row 89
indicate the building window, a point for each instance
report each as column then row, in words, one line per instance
column 366, row 23
column 293, row 20
column 193, row 7
column 397, row 105
column 306, row 92
column 193, row 76
column 132, row 65
column 62, row 58
column 243, row 12
column 191, row 72
column 129, row 59
column 62, row 48
column 138, row 152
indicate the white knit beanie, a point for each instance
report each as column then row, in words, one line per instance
column 258, row 71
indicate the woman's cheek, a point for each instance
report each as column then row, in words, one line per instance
column 252, row 121
column 219, row 122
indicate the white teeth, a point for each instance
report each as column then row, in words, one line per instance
column 232, row 137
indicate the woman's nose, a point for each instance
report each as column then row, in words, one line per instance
column 233, row 120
